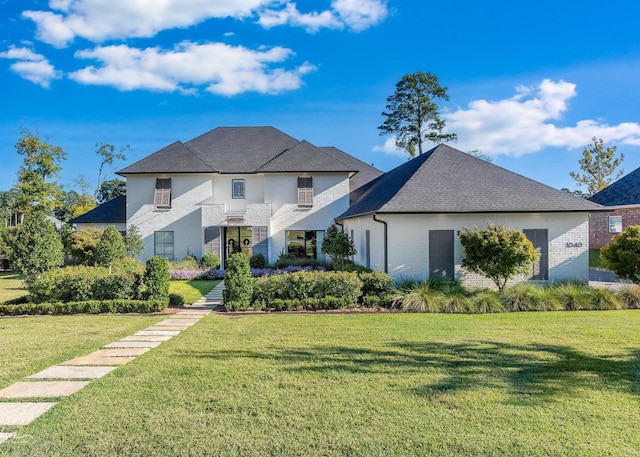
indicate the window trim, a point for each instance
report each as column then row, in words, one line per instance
column 612, row 226
column 162, row 193
column 235, row 196
column 305, row 191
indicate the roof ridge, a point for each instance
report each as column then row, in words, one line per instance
column 198, row 156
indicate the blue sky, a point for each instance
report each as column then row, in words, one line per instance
column 529, row 83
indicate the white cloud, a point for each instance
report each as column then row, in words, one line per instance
column 216, row 67
column 356, row 15
column 528, row 122
column 100, row 20
column 31, row 66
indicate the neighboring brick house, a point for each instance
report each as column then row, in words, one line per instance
column 258, row 190
column 622, row 198
column 406, row 221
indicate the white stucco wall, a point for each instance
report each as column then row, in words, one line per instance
column 408, row 242
column 330, row 199
column 198, row 201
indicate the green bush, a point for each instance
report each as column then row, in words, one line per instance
column 487, row 301
column 622, row 254
column 375, row 283
column 420, row 298
column 603, row 299
column 188, row 262
column 175, row 300
column 305, row 285
column 238, row 283
column 110, row 248
column 573, row 296
column 156, row 279
column 210, row 262
column 85, row 283
column 83, row 307
column 258, row 261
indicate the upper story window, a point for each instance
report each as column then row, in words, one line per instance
column 615, row 224
column 305, row 191
column 162, row 195
column 237, row 188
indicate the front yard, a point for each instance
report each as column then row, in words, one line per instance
column 360, row 385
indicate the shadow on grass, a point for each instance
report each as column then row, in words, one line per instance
column 530, row 373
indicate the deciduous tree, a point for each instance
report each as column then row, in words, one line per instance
column 36, row 184
column 338, row 245
column 622, row 254
column 598, row 165
column 412, row 114
column 108, row 155
column 110, row 189
column 110, row 248
column 497, row 252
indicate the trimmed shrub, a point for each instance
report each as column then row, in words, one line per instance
column 83, row 307
column 375, row 283
column 308, row 285
column 110, row 248
column 238, row 284
column 210, row 262
column 175, row 300
column 258, row 261
column 156, row 279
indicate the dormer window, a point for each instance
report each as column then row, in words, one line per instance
column 305, row 191
column 162, row 195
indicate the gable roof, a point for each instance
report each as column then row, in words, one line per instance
column 445, row 180
column 114, row 211
column 366, row 173
column 625, row 191
column 239, row 150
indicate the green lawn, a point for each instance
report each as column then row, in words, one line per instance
column 11, row 286
column 594, row 258
column 31, row 344
column 192, row 291
column 516, row 384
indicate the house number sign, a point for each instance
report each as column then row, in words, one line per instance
column 573, row 245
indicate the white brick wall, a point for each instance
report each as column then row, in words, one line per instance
column 408, row 242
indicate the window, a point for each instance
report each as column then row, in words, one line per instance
column 237, row 188
column 305, row 243
column 163, row 244
column 441, row 260
column 305, row 191
column 162, row 196
column 615, row 224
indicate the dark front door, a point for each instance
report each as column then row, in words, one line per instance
column 540, row 240
column 441, row 253
column 237, row 239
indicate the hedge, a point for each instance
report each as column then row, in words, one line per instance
column 83, row 307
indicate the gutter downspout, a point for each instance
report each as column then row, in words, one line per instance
column 386, row 253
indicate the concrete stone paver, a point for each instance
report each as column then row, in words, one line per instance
column 4, row 436
column 120, row 352
column 190, row 314
column 167, row 329
column 92, row 359
column 22, row 413
column 178, row 322
column 157, row 333
column 150, row 338
column 72, row 372
column 42, row 389
column 132, row 344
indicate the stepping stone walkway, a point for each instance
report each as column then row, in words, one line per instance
column 71, row 376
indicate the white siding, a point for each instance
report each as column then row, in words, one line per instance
column 408, row 242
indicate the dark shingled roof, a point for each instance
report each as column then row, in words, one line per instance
column 366, row 173
column 307, row 158
column 445, row 180
column 114, row 211
column 175, row 158
column 625, row 191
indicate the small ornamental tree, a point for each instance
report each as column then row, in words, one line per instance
column 622, row 254
column 133, row 241
column 497, row 252
column 110, row 248
column 338, row 245
column 156, row 279
column 238, row 283
column 82, row 244
column 37, row 248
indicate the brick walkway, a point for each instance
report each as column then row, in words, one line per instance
column 42, row 390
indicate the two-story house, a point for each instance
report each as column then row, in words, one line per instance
column 258, row 190
column 248, row 189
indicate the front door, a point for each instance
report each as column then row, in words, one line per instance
column 237, row 239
